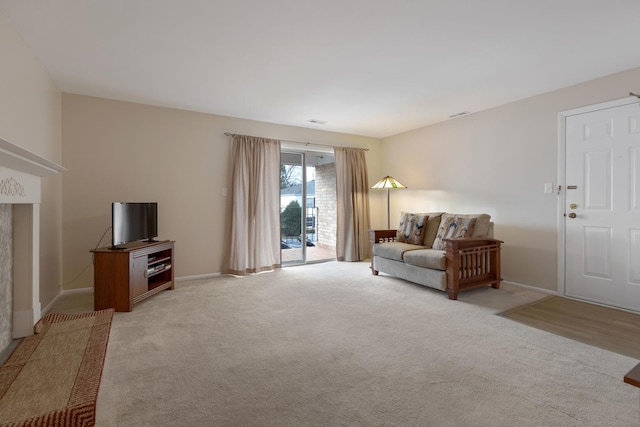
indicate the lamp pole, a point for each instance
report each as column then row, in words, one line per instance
column 388, row 212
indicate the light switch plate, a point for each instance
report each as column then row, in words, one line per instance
column 548, row 187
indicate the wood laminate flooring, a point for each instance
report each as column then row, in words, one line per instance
column 608, row 328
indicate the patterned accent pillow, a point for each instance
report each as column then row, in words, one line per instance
column 453, row 227
column 412, row 228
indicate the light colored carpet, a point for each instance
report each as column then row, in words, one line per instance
column 332, row 345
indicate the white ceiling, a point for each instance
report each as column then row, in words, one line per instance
column 366, row 67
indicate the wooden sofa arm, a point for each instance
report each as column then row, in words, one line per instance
column 378, row 236
column 472, row 262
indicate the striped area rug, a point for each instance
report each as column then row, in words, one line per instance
column 52, row 378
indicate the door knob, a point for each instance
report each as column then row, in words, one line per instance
column 572, row 215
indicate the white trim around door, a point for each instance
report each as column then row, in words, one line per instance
column 561, row 190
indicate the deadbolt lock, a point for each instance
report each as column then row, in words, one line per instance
column 573, row 206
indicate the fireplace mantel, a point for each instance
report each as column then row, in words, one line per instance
column 15, row 157
column 21, row 172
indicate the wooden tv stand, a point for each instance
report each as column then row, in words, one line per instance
column 124, row 277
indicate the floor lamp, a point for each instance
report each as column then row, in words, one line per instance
column 387, row 183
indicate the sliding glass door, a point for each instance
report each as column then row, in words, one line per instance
column 307, row 206
column 292, row 196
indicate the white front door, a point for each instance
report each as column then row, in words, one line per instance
column 602, row 212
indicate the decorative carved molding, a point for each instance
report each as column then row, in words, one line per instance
column 11, row 187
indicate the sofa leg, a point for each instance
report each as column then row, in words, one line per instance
column 495, row 285
column 453, row 294
column 373, row 270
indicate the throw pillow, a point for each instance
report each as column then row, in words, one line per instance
column 453, row 227
column 412, row 228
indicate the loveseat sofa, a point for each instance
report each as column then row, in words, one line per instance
column 445, row 251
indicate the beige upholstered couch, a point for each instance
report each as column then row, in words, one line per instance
column 444, row 251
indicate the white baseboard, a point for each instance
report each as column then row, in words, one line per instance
column 76, row 291
column 196, row 277
column 64, row 292
column 53, row 301
column 531, row 288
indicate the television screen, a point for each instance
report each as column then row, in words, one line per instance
column 133, row 221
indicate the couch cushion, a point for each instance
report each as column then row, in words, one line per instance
column 393, row 250
column 412, row 228
column 433, row 222
column 481, row 227
column 452, row 227
column 427, row 258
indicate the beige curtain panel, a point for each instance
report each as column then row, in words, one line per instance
column 254, row 236
column 352, row 191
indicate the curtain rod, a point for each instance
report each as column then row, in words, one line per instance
column 303, row 143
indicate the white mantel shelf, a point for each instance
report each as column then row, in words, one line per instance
column 17, row 158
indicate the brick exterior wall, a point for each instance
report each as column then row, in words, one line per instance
column 327, row 205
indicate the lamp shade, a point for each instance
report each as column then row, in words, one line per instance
column 388, row 182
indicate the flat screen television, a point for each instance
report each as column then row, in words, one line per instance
column 131, row 222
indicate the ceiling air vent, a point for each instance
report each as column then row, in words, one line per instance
column 318, row 122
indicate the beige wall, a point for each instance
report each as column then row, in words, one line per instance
column 30, row 116
column 118, row 151
column 496, row 162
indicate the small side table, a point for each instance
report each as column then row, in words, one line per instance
column 633, row 376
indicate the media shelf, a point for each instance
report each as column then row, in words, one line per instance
column 124, row 277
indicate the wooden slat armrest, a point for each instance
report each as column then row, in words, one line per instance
column 376, row 236
column 469, row 242
column 472, row 262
